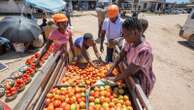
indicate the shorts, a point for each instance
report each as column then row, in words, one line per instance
column 115, row 42
column 79, row 56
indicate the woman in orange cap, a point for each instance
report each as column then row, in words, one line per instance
column 62, row 36
column 112, row 28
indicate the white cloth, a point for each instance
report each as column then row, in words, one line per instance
column 38, row 42
column 113, row 30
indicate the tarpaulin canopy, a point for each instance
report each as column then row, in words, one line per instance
column 51, row 6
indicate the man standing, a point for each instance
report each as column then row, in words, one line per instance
column 101, row 12
column 68, row 13
column 112, row 28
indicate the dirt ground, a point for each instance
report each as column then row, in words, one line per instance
column 173, row 59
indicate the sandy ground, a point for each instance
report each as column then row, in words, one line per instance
column 173, row 61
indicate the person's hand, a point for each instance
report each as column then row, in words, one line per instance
column 95, row 66
column 109, row 73
column 101, row 48
column 74, row 59
column 92, row 64
column 120, row 77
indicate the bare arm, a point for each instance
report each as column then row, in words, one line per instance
column 45, row 48
column 86, row 56
column 144, row 59
column 102, row 40
column 117, row 61
column 97, row 52
column 130, row 70
column 71, row 45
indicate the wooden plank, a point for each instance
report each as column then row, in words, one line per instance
column 33, row 89
column 40, row 100
column 131, row 89
column 143, row 98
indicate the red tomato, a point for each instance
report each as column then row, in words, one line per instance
column 57, row 103
column 91, row 99
column 91, row 108
column 63, row 105
column 68, row 100
column 47, row 101
column 58, row 108
column 50, row 106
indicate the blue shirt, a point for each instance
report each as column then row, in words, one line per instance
column 79, row 41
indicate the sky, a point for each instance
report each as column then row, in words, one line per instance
column 178, row 1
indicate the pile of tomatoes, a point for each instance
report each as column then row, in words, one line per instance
column 66, row 98
column 10, row 89
column 46, row 55
column 87, row 76
column 109, row 98
column 19, row 84
column 26, row 78
column 22, row 77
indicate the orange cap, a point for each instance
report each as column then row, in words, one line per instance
column 59, row 17
column 112, row 11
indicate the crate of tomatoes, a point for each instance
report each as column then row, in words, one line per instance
column 65, row 98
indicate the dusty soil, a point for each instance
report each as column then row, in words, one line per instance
column 173, row 59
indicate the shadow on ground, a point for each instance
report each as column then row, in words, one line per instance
column 187, row 44
column 13, row 55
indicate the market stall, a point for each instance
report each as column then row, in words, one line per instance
column 59, row 85
column 75, row 88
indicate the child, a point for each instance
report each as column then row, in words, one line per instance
column 139, row 57
column 81, row 44
column 62, row 36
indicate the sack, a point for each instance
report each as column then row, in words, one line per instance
column 19, row 47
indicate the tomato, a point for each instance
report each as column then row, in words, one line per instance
column 9, row 94
column 50, row 107
column 127, row 103
column 91, row 108
column 91, row 99
column 13, row 89
column 79, row 100
column 49, row 95
column 102, row 99
column 7, row 91
column 83, row 99
column 57, row 103
column 57, row 97
column 47, row 101
column 13, row 92
column 37, row 55
column 67, row 107
column 96, row 94
column 58, row 108
column 68, row 100
column 63, row 105
column 78, row 95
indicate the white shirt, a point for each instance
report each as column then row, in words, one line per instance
column 113, row 30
